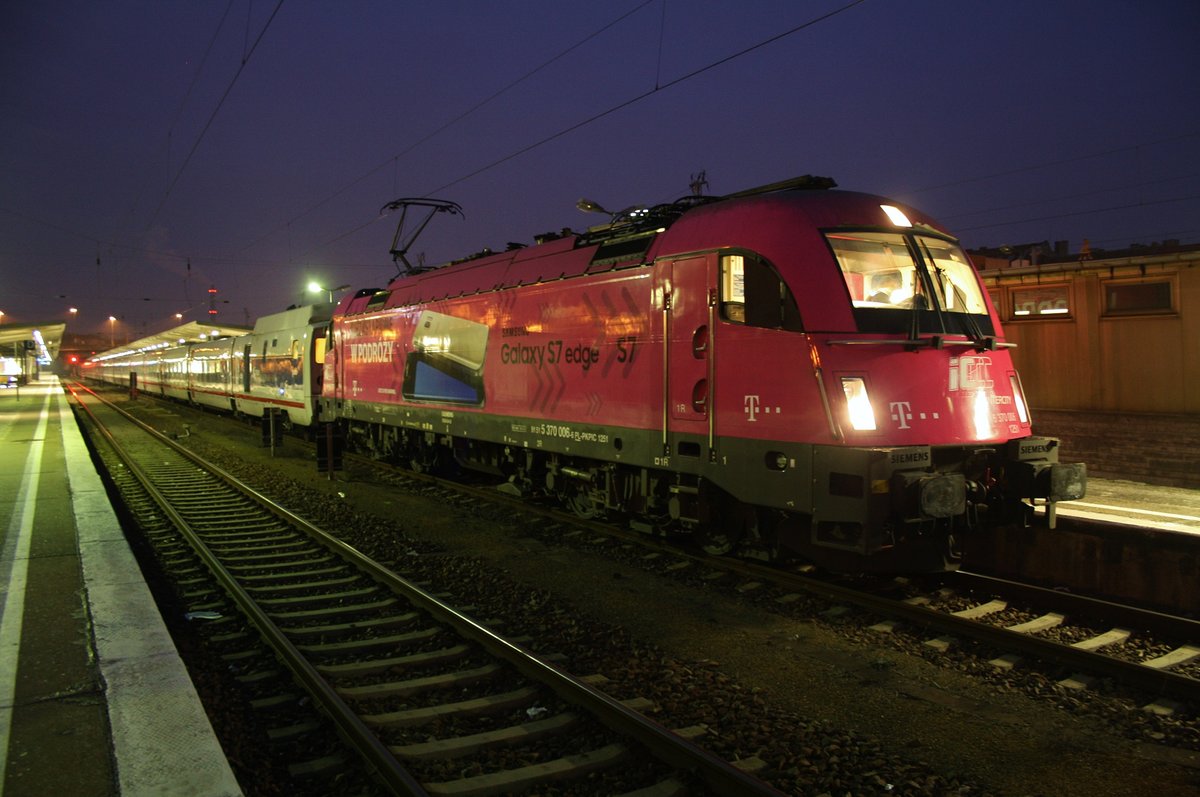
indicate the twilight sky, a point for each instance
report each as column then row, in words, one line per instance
column 153, row 150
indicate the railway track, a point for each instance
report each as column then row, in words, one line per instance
column 1022, row 624
column 849, row 609
column 1145, row 650
column 431, row 699
column 1092, row 639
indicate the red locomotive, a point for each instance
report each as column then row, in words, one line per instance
column 788, row 369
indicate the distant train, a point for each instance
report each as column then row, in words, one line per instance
column 788, row 370
column 274, row 367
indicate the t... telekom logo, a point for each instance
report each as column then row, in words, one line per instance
column 902, row 413
column 751, row 404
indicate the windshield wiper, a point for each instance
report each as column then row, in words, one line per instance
column 914, row 340
column 973, row 330
column 933, row 342
column 919, row 303
column 925, row 298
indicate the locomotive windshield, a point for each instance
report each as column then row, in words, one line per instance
column 878, row 268
column 921, row 275
column 952, row 277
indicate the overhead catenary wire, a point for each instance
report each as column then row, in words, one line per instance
column 1048, row 164
column 182, row 104
column 658, row 86
column 213, row 115
column 609, row 111
column 644, row 95
column 445, row 126
column 1145, row 203
column 1064, row 197
column 195, row 79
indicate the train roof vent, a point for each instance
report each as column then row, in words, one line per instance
column 378, row 299
column 629, row 235
column 804, row 182
column 623, row 250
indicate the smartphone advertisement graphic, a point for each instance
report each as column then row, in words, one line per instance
column 446, row 361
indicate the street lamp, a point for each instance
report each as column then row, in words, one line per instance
column 316, row 287
column 112, row 320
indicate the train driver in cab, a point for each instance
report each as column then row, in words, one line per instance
column 888, row 288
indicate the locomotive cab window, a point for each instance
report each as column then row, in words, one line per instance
column 878, row 268
column 952, row 276
column 897, row 282
column 752, row 293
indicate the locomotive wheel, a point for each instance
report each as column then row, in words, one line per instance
column 724, row 528
column 581, row 505
column 424, row 461
column 717, row 541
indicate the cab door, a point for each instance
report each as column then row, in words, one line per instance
column 688, row 297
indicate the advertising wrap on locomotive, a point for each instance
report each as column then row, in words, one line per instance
column 787, row 371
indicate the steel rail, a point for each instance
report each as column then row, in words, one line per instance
column 1159, row 682
column 1128, row 672
column 717, row 773
column 387, row 767
column 1133, row 617
column 1132, row 673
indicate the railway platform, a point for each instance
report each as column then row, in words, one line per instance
column 94, row 699
column 1124, row 541
column 1174, row 509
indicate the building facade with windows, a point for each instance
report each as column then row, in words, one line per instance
column 1108, row 347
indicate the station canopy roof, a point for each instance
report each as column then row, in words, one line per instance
column 191, row 332
column 51, row 335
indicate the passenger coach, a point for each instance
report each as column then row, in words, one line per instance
column 276, row 366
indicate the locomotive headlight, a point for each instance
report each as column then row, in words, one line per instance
column 862, row 414
column 1018, row 398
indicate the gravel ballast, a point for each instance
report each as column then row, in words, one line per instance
column 826, row 707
